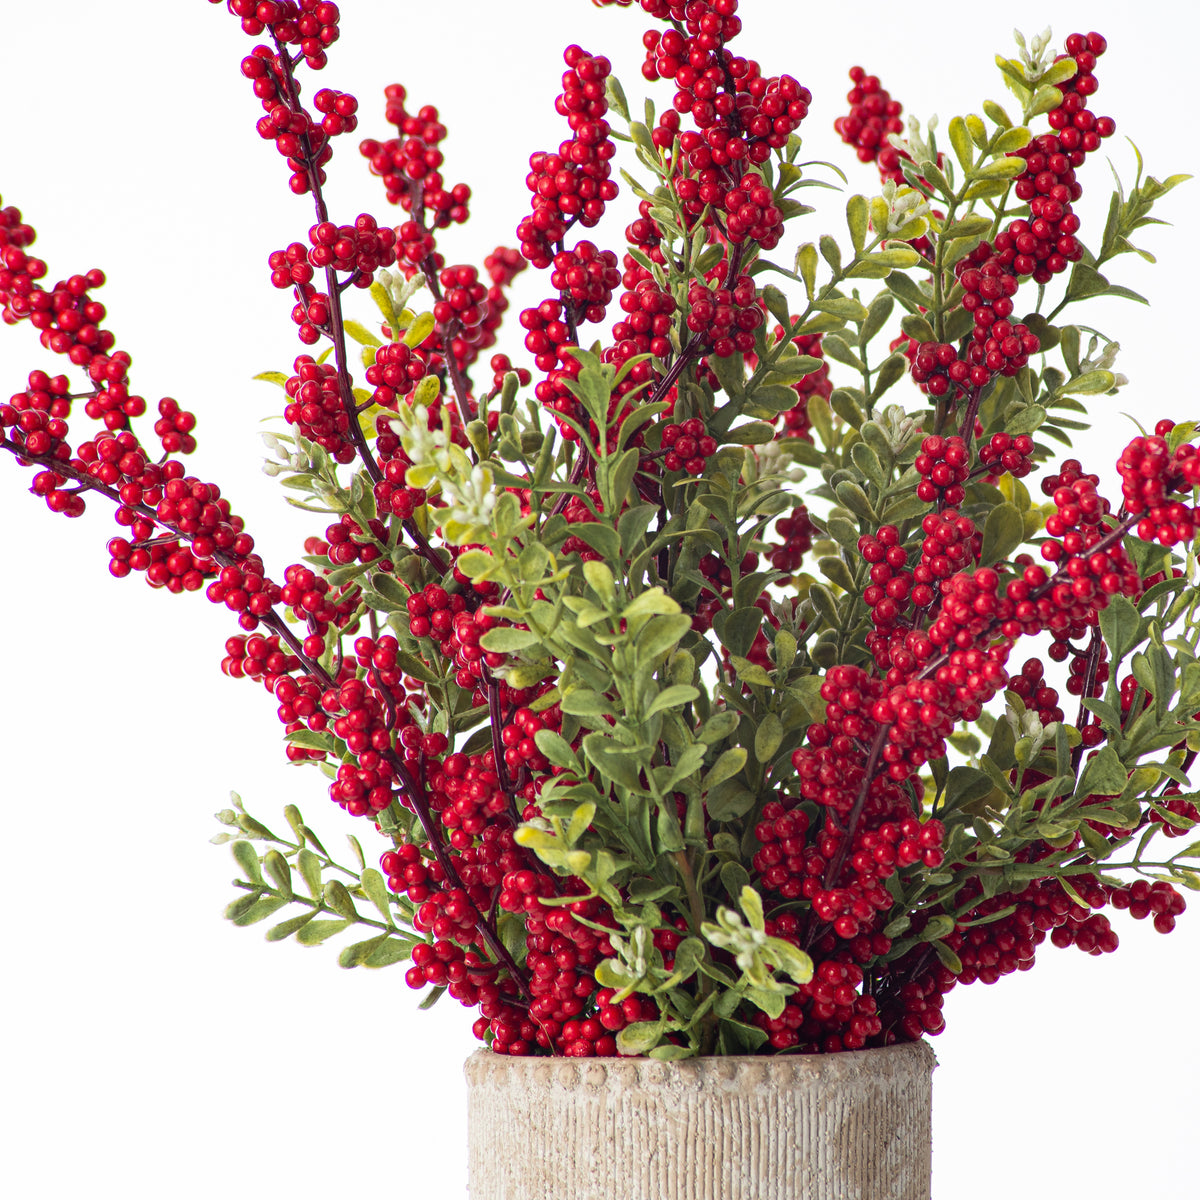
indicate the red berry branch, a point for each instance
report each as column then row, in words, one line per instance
column 671, row 754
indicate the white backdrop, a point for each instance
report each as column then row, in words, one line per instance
column 149, row 1047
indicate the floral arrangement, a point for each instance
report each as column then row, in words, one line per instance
column 678, row 682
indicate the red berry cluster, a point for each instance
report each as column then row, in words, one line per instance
column 1045, row 244
column 309, row 25
column 872, row 117
column 723, row 318
column 1143, row 899
column 1077, row 534
column 944, row 465
column 562, row 951
column 549, row 336
column 501, row 366
column 19, row 272
column 1150, row 477
column 360, row 248
column 1031, row 686
column 890, row 585
column 1178, row 807
column 311, row 314
column 464, row 299
column 397, row 369
column 455, row 630
column 300, row 137
column 347, row 542
column 951, row 545
column 587, row 276
column 315, row 406
column 409, row 167
column 736, row 126
column 1004, row 454
column 572, row 185
column 937, row 369
column 796, row 532
column 688, row 446
column 648, row 310
column 751, row 213
column 989, row 282
column 68, row 321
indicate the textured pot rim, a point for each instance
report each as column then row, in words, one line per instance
column 914, row 1058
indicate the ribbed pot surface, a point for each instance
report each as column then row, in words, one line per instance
column 851, row 1126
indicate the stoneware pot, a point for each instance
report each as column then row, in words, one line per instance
column 851, row 1126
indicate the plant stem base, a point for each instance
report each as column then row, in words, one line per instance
column 851, row 1126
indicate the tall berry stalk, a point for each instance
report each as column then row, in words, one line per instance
column 674, row 667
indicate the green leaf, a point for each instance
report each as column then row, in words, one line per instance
column 1013, row 139
column 613, row 761
column 358, row 953
column 878, row 312
column 388, row 951
column 806, row 268
column 777, row 305
column 728, row 765
column 1090, row 384
column 965, row 785
column 340, row 900
column 507, row 640
column 1045, row 99
column 1003, row 532
column 770, row 1001
column 419, row 330
column 584, row 702
column 310, row 869
column 1121, row 626
column 315, row 932
column 285, row 929
column 750, row 672
column 826, row 605
column 867, row 461
column 1103, row 775
column 908, row 291
column 670, row 1052
column 890, row 372
column 360, row 333
column 947, row 957
column 857, row 218
column 836, row 571
column 768, row 737
column 960, row 141
column 377, row 892
column 1026, row 421
column 247, row 859
column 893, row 257
column 736, row 629
column 383, row 298
column 660, row 635
column 641, row 1037
column 843, row 307
column 260, row 910
column 831, row 253
column 557, row 750
column 673, row 697
column 280, row 871
column 996, row 114
column 754, row 433
column 855, row 499
column 985, row 189
column 791, row 370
